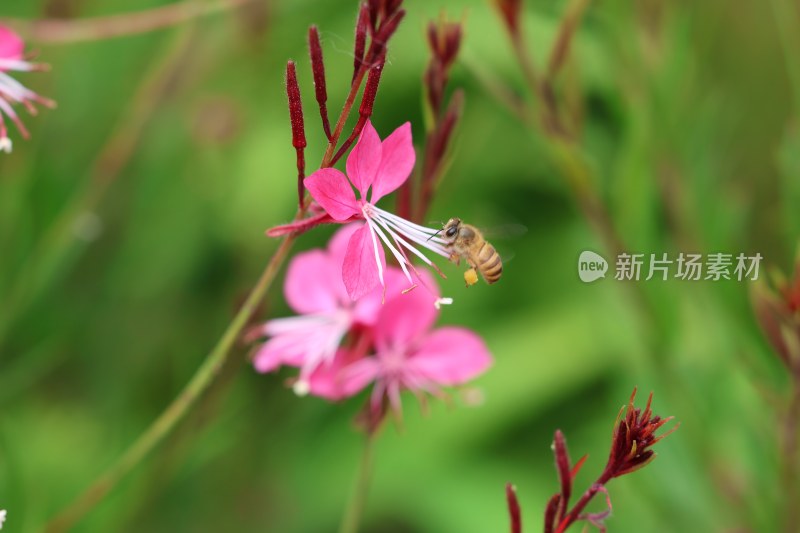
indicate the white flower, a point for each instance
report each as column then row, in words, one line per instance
column 13, row 92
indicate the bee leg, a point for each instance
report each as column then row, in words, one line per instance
column 455, row 258
column 471, row 277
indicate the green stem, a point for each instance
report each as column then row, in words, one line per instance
column 203, row 377
column 161, row 427
column 108, row 27
column 358, row 498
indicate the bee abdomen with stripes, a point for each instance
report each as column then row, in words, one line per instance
column 466, row 242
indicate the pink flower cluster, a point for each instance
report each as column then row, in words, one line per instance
column 13, row 92
column 341, row 345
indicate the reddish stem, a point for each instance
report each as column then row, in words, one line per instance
column 790, row 456
column 590, row 493
column 365, row 110
column 435, row 151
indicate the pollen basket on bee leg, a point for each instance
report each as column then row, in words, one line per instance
column 471, row 277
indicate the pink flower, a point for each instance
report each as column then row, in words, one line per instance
column 408, row 355
column 314, row 289
column 11, row 91
column 374, row 169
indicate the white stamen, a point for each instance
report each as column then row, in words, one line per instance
column 397, row 255
column 301, row 387
column 13, row 88
column 442, row 301
column 411, row 225
column 402, row 241
column 16, row 64
column 418, row 237
column 314, row 337
column 6, row 145
column 375, row 248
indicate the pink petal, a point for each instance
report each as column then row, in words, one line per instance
column 364, row 159
column 313, row 283
column 332, row 191
column 397, row 162
column 11, row 45
column 367, row 308
column 344, row 377
column 276, row 352
column 451, row 356
column 360, row 269
column 403, row 319
column 337, row 246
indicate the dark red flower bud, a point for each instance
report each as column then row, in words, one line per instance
column 550, row 512
column 375, row 11
column 381, row 11
column 444, row 40
column 564, row 467
column 295, row 107
column 565, row 35
column 381, row 38
column 779, row 321
column 510, row 10
column 362, row 24
column 392, row 5
column 633, row 436
column 318, row 68
column 371, row 88
column 298, row 128
column 365, row 110
column 513, row 508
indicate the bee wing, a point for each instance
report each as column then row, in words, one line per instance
column 506, row 255
column 504, row 231
column 496, row 231
column 501, row 236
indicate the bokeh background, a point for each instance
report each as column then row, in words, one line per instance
column 132, row 225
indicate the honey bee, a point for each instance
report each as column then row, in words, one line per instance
column 464, row 241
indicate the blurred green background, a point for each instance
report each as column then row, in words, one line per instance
column 688, row 124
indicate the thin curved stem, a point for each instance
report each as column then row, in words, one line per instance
column 203, row 377
column 187, row 398
column 348, row 105
column 108, row 27
column 581, row 504
column 358, row 499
